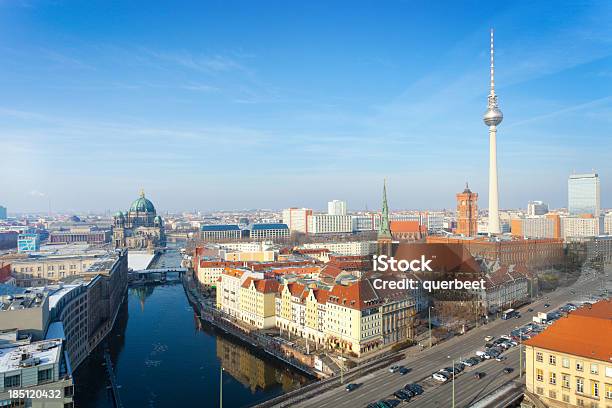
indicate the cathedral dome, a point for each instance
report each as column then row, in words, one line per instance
column 142, row 205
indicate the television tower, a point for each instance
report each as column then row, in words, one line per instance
column 493, row 117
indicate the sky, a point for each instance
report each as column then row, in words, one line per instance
column 269, row 104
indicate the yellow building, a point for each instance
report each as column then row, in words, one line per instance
column 257, row 298
column 570, row 363
column 252, row 256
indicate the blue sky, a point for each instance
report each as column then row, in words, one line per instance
column 271, row 104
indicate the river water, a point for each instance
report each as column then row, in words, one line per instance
column 165, row 357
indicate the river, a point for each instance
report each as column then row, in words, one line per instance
column 164, row 357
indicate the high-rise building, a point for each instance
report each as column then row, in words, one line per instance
column 297, row 219
column 28, row 243
column 336, row 207
column 467, row 212
column 2, row 213
column 536, row 208
column 583, row 194
column 493, row 117
column 385, row 240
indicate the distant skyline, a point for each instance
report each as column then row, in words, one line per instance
column 273, row 104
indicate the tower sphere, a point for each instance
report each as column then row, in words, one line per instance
column 493, row 117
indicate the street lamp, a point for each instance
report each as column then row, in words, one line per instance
column 453, row 373
column 221, row 388
column 520, row 329
column 429, row 310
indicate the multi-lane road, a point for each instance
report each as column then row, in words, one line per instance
column 382, row 383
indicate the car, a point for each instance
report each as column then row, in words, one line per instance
column 481, row 353
column 450, row 370
column 546, row 305
column 478, row 375
column 394, row 368
column 439, row 377
column 351, row 387
column 471, row 362
column 517, row 316
column 383, row 404
column 508, row 370
column 500, row 358
column 402, row 395
column 372, row 405
column 415, row 388
column 489, row 338
column 530, row 309
column 404, row 371
column 459, row 367
column 409, row 392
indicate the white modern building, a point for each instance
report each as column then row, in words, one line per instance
column 330, row 224
column 536, row 208
column 354, row 248
column 573, row 227
column 336, row 207
column 297, row 219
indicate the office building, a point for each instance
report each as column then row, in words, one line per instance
column 39, row 366
column 297, row 219
column 269, row 232
column 570, row 363
column 330, row 224
column 535, row 227
column 28, row 243
column 221, row 233
column 583, row 196
column 583, row 226
column 349, row 248
column 336, row 207
column 536, row 208
column 467, row 213
column 3, row 213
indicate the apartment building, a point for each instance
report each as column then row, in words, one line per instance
column 257, row 302
column 330, row 224
column 351, row 248
column 273, row 232
column 570, row 363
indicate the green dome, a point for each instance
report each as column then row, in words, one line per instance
column 118, row 214
column 142, row 205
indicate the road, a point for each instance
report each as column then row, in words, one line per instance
column 381, row 384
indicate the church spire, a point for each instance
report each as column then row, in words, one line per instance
column 385, row 228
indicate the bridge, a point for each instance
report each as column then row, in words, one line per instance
column 157, row 275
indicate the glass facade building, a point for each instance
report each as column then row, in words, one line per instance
column 583, row 194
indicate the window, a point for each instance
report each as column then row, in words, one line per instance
column 540, row 390
column 539, row 357
column 552, row 378
column 552, row 394
column 609, row 391
column 579, row 366
column 609, row 372
column 45, row 375
column 579, row 385
column 594, row 388
column 565, row 362
column 594, row 369
column 539, row 374
column 552, row 360
column 580, row 402
column 565, row 380
column 565, row 398
column 12, row 381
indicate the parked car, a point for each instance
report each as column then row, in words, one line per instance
column 530, row 309
column 383, row 404
column 508, row 370
column 402, row 395
column 415, row 388
column 394, row 368
column 500, row 358
column 440, row 377
column 546, row 305
column 478, row 375
column 351, row 387
column 404, row 371
column 489, row 338
column 459, row 367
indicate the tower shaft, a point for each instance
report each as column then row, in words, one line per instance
column 494, row 227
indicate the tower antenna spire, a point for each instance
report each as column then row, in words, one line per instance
column 492, row 64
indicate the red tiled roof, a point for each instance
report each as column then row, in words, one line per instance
column 406, row 226
column 586, row 332
column 359, row 295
